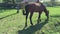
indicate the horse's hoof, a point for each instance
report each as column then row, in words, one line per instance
column 31, row 24
column 25, row 27
column 40, row 20
column 25, row 24
column 47, row 20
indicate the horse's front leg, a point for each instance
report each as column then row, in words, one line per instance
column 31, row 14
column 47, row 14
column 39, row 17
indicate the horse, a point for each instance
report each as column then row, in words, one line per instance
column 35, row 7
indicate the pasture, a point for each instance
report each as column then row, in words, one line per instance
column 13, row 23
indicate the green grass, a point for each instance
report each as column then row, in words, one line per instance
column 1, row 1
column 12, row 23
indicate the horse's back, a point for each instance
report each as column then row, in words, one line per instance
column 37, row 4
column 34, row 7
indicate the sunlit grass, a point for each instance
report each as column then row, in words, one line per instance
column 13, row 23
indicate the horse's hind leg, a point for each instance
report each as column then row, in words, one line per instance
column 31, row 14
column 26, row 18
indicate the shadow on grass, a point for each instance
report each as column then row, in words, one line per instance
column 55, row 16
column 8, row 16
column 32, row 29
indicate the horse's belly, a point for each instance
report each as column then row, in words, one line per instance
column 35, row 10
column 38, row 9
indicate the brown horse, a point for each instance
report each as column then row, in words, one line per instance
column 35, row 7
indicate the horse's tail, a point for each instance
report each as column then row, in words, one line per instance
column 24, row 13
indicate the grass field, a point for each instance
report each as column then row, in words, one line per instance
column 13, row 23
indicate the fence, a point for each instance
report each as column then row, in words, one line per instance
column 23, row 4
